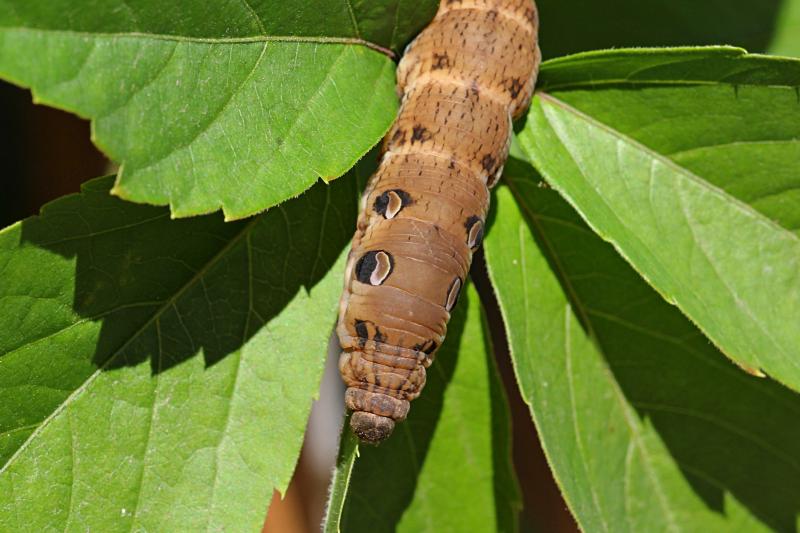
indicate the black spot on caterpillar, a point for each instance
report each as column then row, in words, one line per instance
column 427, row 347
column 488, row 163
column 399, row 136
column 514, row 87
column 440, row 61
column 362, row 332
column 420, row 134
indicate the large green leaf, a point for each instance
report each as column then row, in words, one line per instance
column 448, row 467
column 231, row 105
column 646, row 426
column 689, row 162
column 570, row 26
column 157, row 374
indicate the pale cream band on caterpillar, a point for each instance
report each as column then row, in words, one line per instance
column 423, row 212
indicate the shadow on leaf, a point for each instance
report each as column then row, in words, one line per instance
column 569, row 27
column 170, row 289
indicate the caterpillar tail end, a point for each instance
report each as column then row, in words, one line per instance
column 371, row 428
column 374, row 414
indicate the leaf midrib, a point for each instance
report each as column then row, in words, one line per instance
column 732, row 144
column 309, row 39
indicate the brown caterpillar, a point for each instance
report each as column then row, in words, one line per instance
column 422, row 215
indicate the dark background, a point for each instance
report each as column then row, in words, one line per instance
column 44, row 154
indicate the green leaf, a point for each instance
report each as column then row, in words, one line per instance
column 448, row 467
column 687, row 161
column 239, row 107
column 646, row 426
column 786, row 40
column 572, row 26
column 157, row 374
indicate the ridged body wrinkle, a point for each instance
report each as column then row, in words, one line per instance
column 461, row 81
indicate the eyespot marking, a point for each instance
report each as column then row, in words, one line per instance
column 389, row 203
column 452, row 294
column 474, row 227
column 374, row 267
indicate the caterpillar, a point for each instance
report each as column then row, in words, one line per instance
column 461, row 82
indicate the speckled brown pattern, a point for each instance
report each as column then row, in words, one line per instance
column 461, row 82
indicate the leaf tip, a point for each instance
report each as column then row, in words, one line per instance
column 752, row 370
